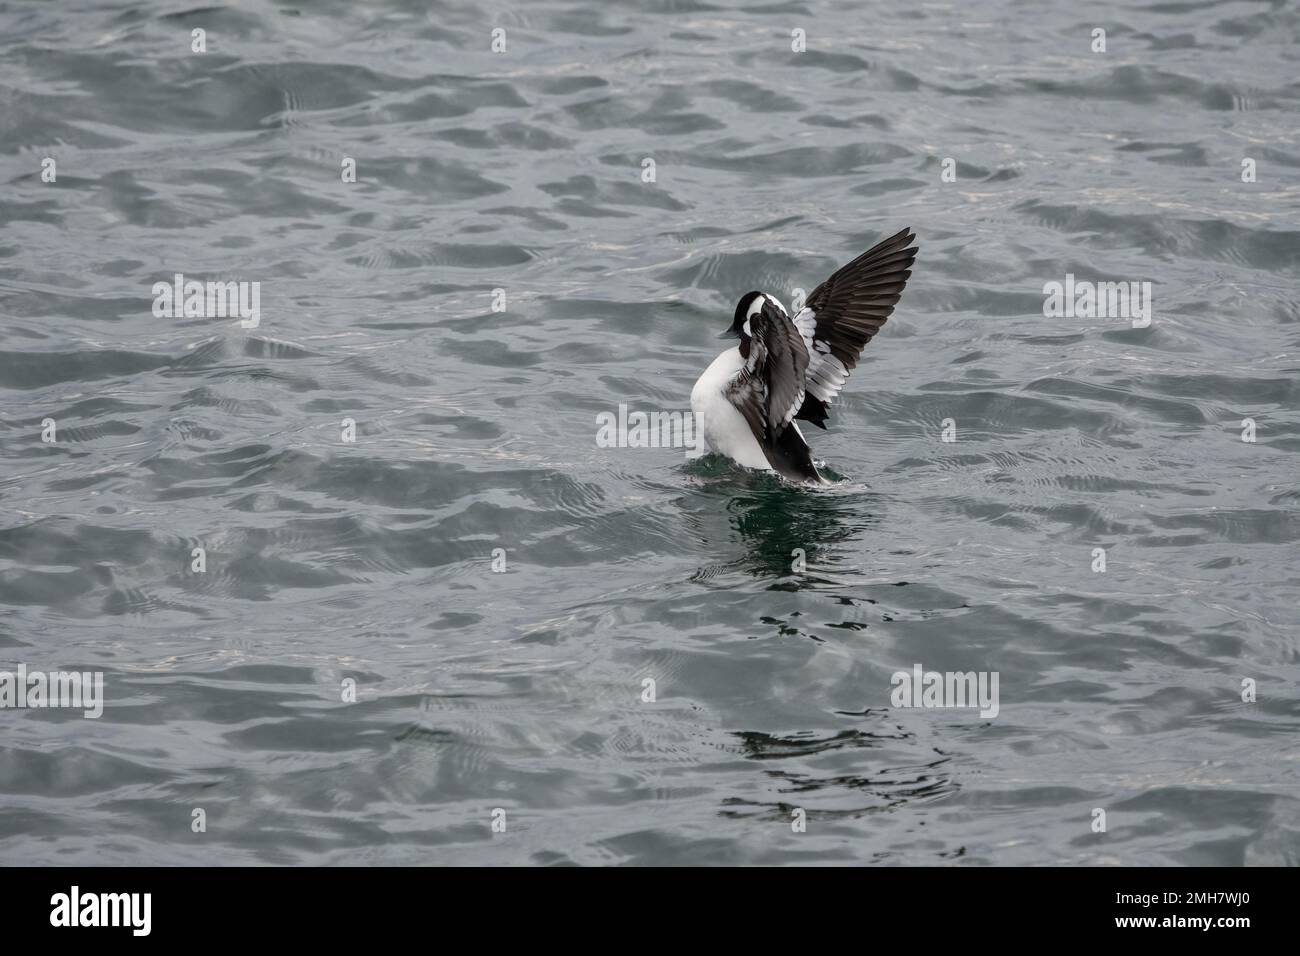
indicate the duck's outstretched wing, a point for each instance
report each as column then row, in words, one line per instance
column 768, row 391
column 842, row 315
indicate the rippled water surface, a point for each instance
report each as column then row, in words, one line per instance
column 372, row 561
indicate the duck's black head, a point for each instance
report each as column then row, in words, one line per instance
column 739, row 328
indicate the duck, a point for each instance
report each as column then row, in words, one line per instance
column 749, row 401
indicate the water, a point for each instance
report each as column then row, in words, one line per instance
column 371, row 561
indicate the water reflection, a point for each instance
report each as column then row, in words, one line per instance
column 879, row 768
column 782, row 526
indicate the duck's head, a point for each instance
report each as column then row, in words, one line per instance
column 749, row 303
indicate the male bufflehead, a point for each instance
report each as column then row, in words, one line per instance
column 748, row 399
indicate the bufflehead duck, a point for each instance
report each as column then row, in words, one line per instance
column 784, row 369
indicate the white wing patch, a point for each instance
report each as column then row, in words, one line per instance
column 826, row 374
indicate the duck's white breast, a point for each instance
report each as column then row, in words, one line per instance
column 725, row 429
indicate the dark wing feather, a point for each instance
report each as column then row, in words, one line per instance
column 769, row 390
column 844, row 312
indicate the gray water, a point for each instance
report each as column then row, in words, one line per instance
column 329, row 562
